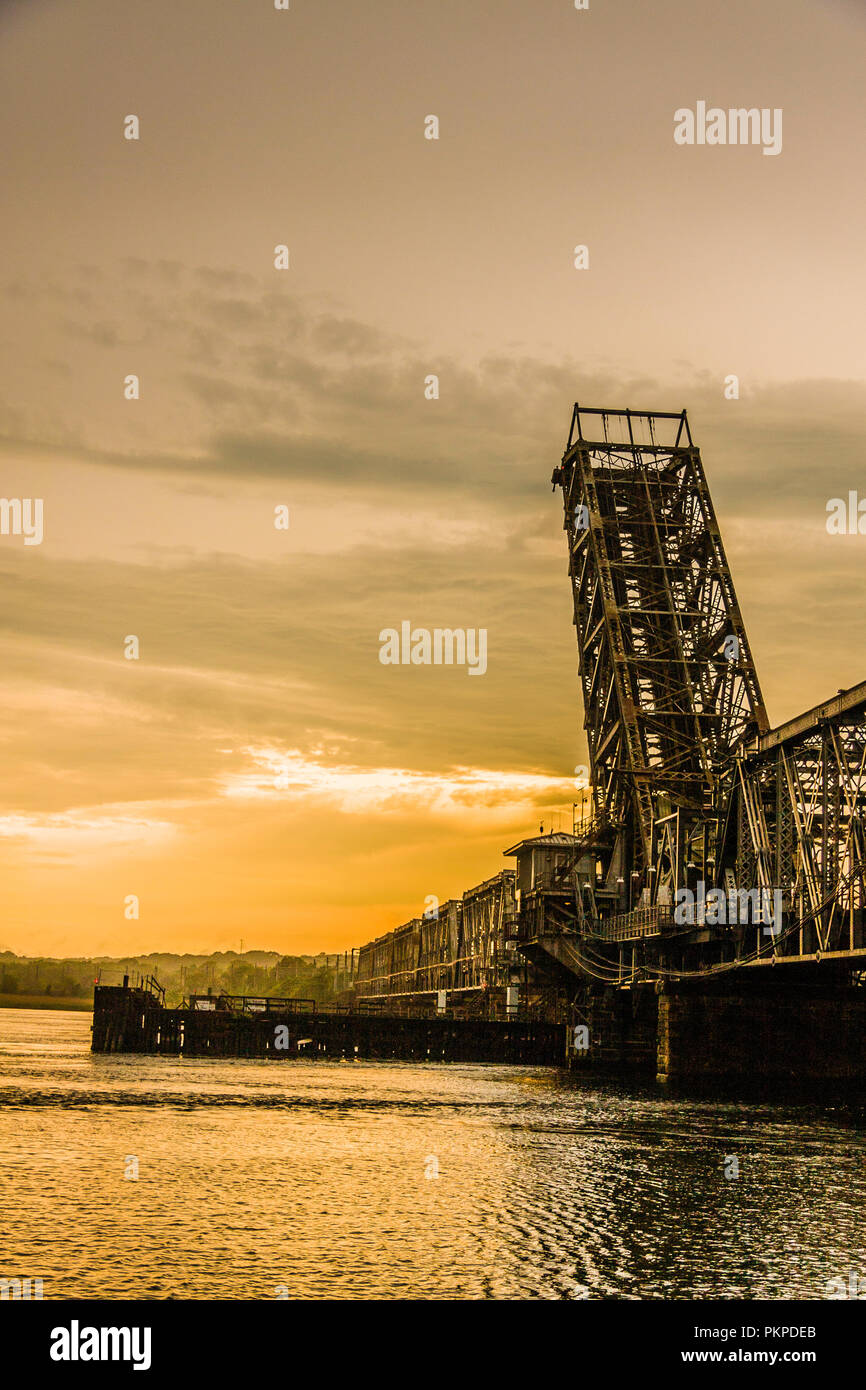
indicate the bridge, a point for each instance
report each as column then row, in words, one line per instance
column 714, row 894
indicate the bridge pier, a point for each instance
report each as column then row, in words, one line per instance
column 621, row 1030
column 775, row 1030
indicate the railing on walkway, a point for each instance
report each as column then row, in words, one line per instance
column 250, row 1004
column 643, row 921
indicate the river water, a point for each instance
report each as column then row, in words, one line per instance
column 382, row 1180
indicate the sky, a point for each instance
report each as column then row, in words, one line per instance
column 257, row 774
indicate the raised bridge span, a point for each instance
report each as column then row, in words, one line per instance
column 708, row 911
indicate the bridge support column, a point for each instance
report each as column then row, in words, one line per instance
column 761, row 1030
column 621, row 1030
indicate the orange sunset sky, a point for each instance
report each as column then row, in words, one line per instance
column 258, row 773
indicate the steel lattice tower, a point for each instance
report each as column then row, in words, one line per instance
column 668, row 681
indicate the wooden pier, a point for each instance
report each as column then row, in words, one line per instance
column 135, row 1019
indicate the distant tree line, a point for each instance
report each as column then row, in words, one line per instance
column 261, row 973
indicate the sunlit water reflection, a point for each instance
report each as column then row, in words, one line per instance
column 384, row 1180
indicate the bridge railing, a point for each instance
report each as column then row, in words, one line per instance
column 588, row 827
column 150, row 984
column 251, row 1004
column 642, row 921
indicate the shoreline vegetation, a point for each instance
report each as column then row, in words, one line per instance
column 45, row 1001
column 28, row 982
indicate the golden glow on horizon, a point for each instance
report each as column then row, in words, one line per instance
column 391, row 790
column 257, row 772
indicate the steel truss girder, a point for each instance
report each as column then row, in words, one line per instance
column 810, row 787
column 667, row 697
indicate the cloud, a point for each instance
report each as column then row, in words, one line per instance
column 439, row 513
column 93, row 832
column 288, row 773
column 264, row 385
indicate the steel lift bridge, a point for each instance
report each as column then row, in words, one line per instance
column 689, row 789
